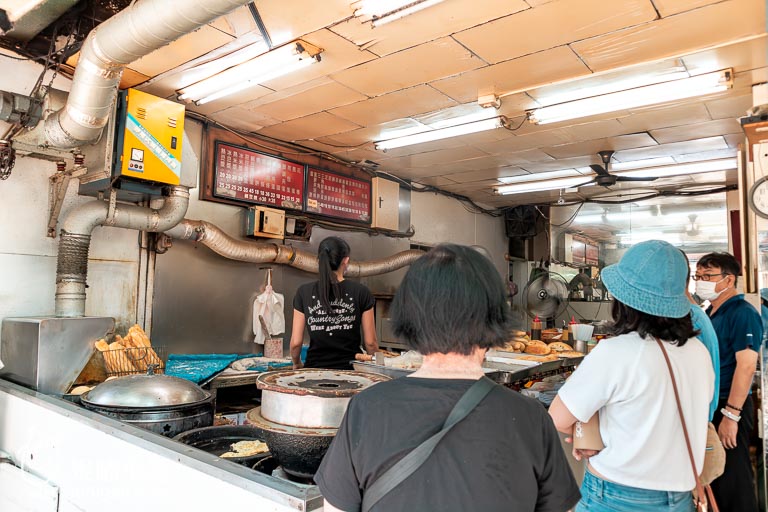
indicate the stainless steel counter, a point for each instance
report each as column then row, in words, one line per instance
column 101, row 464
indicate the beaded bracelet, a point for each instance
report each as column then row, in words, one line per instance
column 733, row 407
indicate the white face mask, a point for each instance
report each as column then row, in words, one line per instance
column 706, row 289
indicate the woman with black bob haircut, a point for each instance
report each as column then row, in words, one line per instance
column 453, row 302
column 505, row 454
column 335, row 310
column 625, row 380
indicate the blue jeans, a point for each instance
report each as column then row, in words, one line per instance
column 598, row 495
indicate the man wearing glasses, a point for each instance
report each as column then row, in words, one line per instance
column 739, row 333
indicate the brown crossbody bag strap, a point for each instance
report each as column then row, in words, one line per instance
column 701, row 498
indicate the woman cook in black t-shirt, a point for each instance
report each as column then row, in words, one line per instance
column 334, row 310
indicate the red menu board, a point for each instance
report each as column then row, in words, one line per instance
column 578, row 251
column 592, row 256
column 338, row 196
column 247, row 175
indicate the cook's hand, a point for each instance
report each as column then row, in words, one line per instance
column 581, row 454
column 727, row 432
column 298, row 366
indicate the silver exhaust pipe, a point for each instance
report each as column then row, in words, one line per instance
column 259, row 252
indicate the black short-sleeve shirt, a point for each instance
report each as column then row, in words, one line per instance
column 334, row 339
column 506, row 455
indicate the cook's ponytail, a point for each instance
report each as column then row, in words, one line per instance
column 330, row 254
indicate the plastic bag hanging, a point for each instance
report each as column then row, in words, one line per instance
column 268, row 314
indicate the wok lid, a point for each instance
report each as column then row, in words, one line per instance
column 143, row 391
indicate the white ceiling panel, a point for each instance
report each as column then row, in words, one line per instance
column 516, row 75
column 706, row 155
column 453, row 16
column 741, row 56
column 696, row 131
column 286, row 21
column 501, row 172
column 733, row 107
column 552, row 25
column 243, row 119
column 674, row 36
column 421, row 64
column 309, row 102
column 673, row 149
column 670, row 7
column 694, row 112
column 396, row 105
column 634, row 140
column 309, row 127
column 525, row 142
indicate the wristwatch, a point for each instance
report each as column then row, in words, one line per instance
column 728, row 414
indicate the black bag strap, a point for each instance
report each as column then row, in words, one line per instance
column 419, row 455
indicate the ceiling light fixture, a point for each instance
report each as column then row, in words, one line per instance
column 381, row 12
column 443, row 133
column 267, row 66
column 631, row 98
column 664, row 171
column 537, row 186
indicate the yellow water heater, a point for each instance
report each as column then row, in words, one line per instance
column 149, row 137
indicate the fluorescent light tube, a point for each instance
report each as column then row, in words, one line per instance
column 272, row 64
column 442, row 133
column 631, row 98
column 537, row 186
column 381, row 12
column 665, row 171
column 541, row 176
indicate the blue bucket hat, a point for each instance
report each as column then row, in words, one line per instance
column 650, row 278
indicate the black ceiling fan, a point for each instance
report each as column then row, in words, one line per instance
column 606, row 179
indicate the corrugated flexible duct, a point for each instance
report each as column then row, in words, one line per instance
column 72, row 264
column 138, row 30
column 257, row 252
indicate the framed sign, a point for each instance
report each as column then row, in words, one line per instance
column 592, row 255
column 242, row 174
column 338, row 196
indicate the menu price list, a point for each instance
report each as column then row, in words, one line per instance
column 338, row 196
column 250, row 176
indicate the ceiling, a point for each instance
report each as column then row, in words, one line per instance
column 434, row 64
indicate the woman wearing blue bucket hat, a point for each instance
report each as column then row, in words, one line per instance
column 645, row 464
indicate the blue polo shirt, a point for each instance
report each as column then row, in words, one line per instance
column 708, row 337
column 738, row 326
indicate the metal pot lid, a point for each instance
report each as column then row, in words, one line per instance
column 320, row 383
column 144, row 391
column 254, row 418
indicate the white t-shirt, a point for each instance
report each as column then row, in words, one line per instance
column 627, row 380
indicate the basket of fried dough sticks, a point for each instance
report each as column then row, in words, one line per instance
column 131, row 354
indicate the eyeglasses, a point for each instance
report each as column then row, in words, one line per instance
column 706, row 277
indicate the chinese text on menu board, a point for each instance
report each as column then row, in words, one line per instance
column 338, row 196
column 247, row 175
